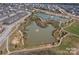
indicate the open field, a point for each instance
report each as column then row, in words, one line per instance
column 74, row 28
column 70, row 42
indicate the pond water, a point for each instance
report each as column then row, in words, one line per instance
column 49, row 17
column 38, row 35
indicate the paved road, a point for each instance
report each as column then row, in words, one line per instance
column 6, row 33
column 3, row 17
column 66, row 14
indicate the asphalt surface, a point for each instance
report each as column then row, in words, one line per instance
column 8, row 28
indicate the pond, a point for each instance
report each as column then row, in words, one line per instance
column 38, row 35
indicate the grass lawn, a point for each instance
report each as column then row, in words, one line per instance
column 69, row 42
column 74, row 28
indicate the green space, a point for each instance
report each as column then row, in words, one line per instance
column 35, row 35
column 74, row 28
column 69, row 42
